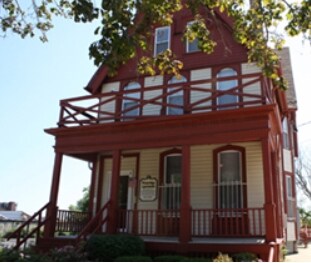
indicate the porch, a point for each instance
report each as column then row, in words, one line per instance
column 155, row 225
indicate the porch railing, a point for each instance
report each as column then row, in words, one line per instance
column 248, row 222
column 238, row 222
column 197, row 97
column 71, row 221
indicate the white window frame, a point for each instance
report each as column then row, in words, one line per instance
column 135, row 95
column 230, row 184
column 219, row 87
column 290, row 197
column 156, row 42
column 285, row 133
column 195, row 41
column 173, row 188
column 180, row 93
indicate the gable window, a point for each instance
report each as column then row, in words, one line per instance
column 192, row 46
column 130, row 102
column 176, row 97
column 225, row 85
column 230, row 184
column 171, row 187
column 162, row 39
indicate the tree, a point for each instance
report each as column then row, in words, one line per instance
column 124, row 27
column 303, row 174
column 82, row 204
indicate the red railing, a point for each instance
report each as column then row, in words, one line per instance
column 27, row 230
column 71, row 221
column 197, row 96
column 98, row 221
column 244, row 222
column 248, row 222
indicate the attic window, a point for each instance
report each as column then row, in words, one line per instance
column 162, row 39
column 192, row 46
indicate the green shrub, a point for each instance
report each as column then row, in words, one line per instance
column 133, row 259
column 109, row 247
column 8, row 255
column 32, row 256
column 244, row 257
column 201, row 259
column 67, row 254
column 222, row 258
column 171, row 258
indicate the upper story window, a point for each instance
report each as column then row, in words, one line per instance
column 224, row 85
column 285, row 134
column 176, row 98
column 162, row 39
column 192, row 46
column 130, row 102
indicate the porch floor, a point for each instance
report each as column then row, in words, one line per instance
column 206, row 240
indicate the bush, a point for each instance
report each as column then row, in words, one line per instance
column 202, row 259
column 171, row 258
column 8, row 255
column 222, row 258
column 109, row 247
column 133, row 259
column 67, row 254
column 244, row 257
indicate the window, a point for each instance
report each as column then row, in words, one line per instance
column 171, row 188
column 285, row 134
column 130, row 104
column 192, row 46
column 176, row 98
column 227, row 85
column 290, row 197
column 230, row 179
column 162, row 39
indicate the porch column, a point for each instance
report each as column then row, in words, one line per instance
column 185, row 209
column 115, row 178
column 270, row 207
column 49, row 228
column 92, row 186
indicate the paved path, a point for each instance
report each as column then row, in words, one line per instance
column 303, row 255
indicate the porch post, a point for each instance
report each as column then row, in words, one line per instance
column 115, row 178
column 49, row 228
column 185, row 209
column 270, row 207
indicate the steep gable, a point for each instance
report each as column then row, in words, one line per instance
column 226, row 52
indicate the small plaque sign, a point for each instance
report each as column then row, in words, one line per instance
column 148, row 188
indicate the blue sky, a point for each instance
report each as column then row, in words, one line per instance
column 34, row 77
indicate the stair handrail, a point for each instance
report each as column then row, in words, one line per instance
column 27, row 223
column 90, row 228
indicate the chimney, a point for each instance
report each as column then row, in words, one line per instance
column 12, row 206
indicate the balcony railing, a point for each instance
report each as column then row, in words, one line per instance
column 246, row 222
column 189, row 98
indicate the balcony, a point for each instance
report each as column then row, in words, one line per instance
column 195, row 97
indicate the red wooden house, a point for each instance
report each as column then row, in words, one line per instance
column 197, row 164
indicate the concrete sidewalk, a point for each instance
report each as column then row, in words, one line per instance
column 303, row 255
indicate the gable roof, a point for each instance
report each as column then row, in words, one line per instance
column 101, row 74
column 14, row 215
column 287, row 72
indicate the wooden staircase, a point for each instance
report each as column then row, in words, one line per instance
column 26, row 230
column 44, row 243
